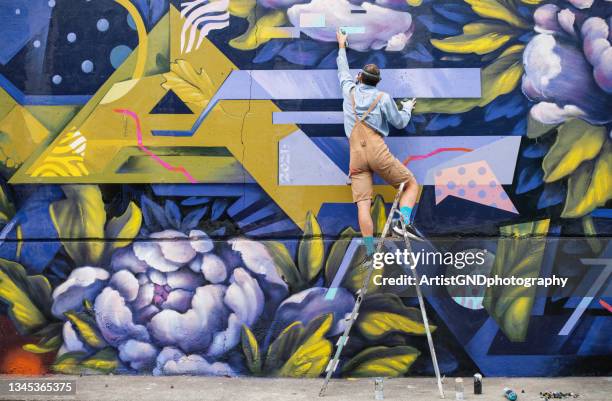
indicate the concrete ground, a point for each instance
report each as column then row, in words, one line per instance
column 144, row 388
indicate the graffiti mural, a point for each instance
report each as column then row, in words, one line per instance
column 174, row 193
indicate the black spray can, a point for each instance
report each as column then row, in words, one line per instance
column 477, row 383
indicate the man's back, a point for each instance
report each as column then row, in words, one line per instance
column 385, row 112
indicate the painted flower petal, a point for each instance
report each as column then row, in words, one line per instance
column 197, row 365
column 157, row 277
column 72, row 342
column 144, row 297
column 139, row 355
column 214, row 268
column 175, row 248
column 224, row 341
column 127, row 285
column 184, row 279
column 192, row 330
column 201, row 242
column 244, row 297
column 82, row 283
column 124, row 258
column 114, row 319
column 150, row 253
column 144, row 315
column 166, row 354
column 178, row 300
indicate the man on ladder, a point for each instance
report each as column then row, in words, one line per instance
column 367, row 113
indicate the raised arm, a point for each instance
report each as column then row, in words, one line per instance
column 344, row 76
column 398, row 118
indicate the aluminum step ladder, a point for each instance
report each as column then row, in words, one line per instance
column 342, row 341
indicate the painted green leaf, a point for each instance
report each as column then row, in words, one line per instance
column 28, row 297
column 311, row 251
column 499, row 10
column 498, row 78
column 590, row 186
column 536, row 129
column 576, row 142
column 44, row 347
column 68, row 363
column 257, row 33
column 285, row 266
column 81, row 216
column 312, row 356
column 478, row 37
column 191, row 86
column 87, row 328
column 375, row 325
column 381, row 362
column 520, row 251
column 284, row 346
column 7, row 209
column 379, row 215
column 383, row 314
column 125, row 227
column 336, row 254
column 250, row 348
column 104, row 361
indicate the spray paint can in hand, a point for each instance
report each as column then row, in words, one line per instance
column 378, row 389
column 510, row 394
column 477, row 383
column 459, row 389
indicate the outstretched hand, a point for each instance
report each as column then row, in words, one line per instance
column 409, row 104
column 342, row 38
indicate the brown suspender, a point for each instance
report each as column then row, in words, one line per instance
column 374, row 103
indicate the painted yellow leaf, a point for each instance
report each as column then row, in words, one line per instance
column 125, row 227
column 81, row 216
column 498, row 78
column 375, row 325
column 477, row 37
column 193, row 87
column 576, row 142
column 284, row 346
column 104, row 361
column 311, row 358
column 44, row 347
column 414, row 3
column 532, row 2
column 520, row 251
column 536, row 129
column 311, row 251
column 381, row 361
column 497, row 10
column 241, row 8
column 250, row 348
column 87, row 329
column 379, row 215
column 256, row 35
column 590, row 186
column 25, row 296
column 337, row 253
column 68, row 363
column 285, row 266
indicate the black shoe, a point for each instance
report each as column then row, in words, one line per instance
column 411, row 231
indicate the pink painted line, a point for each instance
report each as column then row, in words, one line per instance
column 605, row 305
column 142, row 147
column 435, row 152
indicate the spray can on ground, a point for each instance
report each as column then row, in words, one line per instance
column 510, row 394
column 459, row 389
column 477, row 383
column 378, row 389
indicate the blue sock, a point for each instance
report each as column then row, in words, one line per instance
column 406, row 212
column 369, row 244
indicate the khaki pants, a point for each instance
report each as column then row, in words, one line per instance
column 370, row 154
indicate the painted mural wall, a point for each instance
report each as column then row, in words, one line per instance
column 174, row 185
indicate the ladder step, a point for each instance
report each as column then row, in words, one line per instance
column 332, row 365
column 342, row 341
